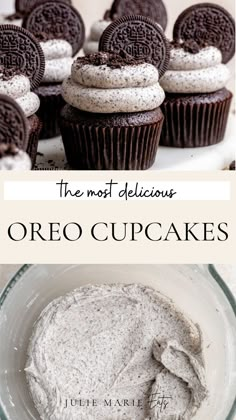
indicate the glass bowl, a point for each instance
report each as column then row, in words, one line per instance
column 197, row 290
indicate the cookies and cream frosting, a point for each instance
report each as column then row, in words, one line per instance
column 198, row 72
column 13, row 159
column 91, row 45
column 58, row 56
column 107, row 83
column 115, row 343
column 18, row 88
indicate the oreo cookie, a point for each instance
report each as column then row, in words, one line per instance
column 13, row 123
column 207, row 24
column 139, row 37
column 25, row 6
column 154, row 9
column 56, row 20
column 20, row 53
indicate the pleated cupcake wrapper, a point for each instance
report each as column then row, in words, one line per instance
column 194, row 124
column 49, row 113
column 32, row 147
column 110, row 148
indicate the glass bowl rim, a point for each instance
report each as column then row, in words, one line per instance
column 211, row 268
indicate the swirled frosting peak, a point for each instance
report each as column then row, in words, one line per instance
column 58, row 54
column 109, row 83
column 18, row 87
column 195, row 70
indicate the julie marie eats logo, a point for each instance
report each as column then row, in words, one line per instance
column 157, row 400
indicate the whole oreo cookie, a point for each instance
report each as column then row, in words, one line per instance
column 25, row 6
column 20, row 53
column 154, row 9
column 56, row 20
column 207, row 24
column 139, row 37
column 13, row 123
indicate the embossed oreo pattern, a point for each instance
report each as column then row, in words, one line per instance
column 154, row 9
column 20, row 53
column 24, row 6
column 139, row 37
column 210, row 24
column 56, row 20
column 13, row 123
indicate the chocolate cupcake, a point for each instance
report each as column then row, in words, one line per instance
column 13, row 159
column 21, row 70
column 197, row 103
column 60, row 30
column 113, row 119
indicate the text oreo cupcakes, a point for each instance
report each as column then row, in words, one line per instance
column 113, row 118
column 197, row 103
column 22, row 67
column 60, row 30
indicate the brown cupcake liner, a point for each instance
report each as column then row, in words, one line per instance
column 89, row 147
column 49, row 113
column 195, row 121
column 35, row 126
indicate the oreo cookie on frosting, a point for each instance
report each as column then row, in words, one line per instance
column 20, row 54
column 60, row 30
column 154, row 9
column 208, row 25
column 13, row 123
column 56, row 20
column 139, row 37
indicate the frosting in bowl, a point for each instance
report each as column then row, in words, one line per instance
column 105, row 86
column 18, row 88
column 201, row 72
column 58, row 56
column 115, row 343
column 92, row 43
